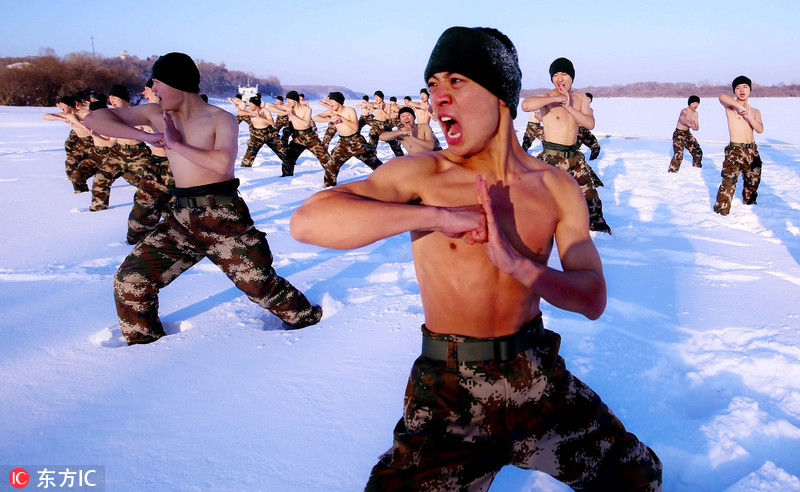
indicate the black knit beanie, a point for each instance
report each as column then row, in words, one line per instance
column 336, row 96
column 741, row 79
column 119, row 91
column 562, row 65
column 178, row 71
column 694, row 99
column 379, row 94
column 406, row 109
column 293, row 95
column 483, row 54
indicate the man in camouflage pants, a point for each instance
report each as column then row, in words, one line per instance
column 682, row 138
column 351, row 143
column 262, row 131
column 562, row 112
column 304, row 135
column 741, row 155
column 489, row 388
column 206, row 218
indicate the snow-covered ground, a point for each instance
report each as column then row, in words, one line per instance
column 698, row 351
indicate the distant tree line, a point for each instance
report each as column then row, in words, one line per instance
column 41, row 80
column 680, row 89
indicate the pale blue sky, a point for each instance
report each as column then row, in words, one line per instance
column 369, row 45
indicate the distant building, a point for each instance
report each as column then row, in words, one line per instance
column 248, row 92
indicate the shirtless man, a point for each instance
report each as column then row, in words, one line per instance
column 129, row 158
column 93, row 161
column 741, row 155
column 683, row 138
column 424, row 114
column 366, row 112
column 380, row 123
column 304, row 135
column 483, row 215
column 207, row 218
column 79, row 142
column 351, row 142
column 562, row 111
column 415, row 138
column 262, row 131
column 241, row 109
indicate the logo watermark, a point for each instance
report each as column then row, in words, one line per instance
column 89, row 478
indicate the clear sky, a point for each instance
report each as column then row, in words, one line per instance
column 369, row 45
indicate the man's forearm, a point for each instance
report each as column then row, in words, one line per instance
column 341, row 220
column 105, row 122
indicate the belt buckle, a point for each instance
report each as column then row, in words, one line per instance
column 191, row 202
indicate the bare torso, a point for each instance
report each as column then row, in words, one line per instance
column 559, row 126
column 686, row 115
column 474, row 298
column 739, row 129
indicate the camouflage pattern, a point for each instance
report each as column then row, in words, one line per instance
column 586, row 138
column 243, row 117
column 282, row 121
column 69, row 145
column 306, row 139
column 351, row 146
column 329, row 133
column 131, row 162
column 259, row 137
column 79, row 149
column 376, row 128
column 223, row 233
column 741, row 159
column 151, row 199
column 575, row 164
column 463, row 421
column 365, row 120
column 683, row 139
column 88, row 167
column 532, row 132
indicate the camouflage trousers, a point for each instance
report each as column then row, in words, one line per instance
column 306, row 139
column 364, row 120
column 741, row 159
column 351, row 146
column 79, row 150
column 532, row 132
column 329, row 133
column 242, row 117
column 151, row 199
column 586, row 138
column 129, row 162
column 259, row 137
column 283, row 121
column 224, row 233
column 88, row 167
column 575, row 164
column 69, row 145
column 683, row 139
column 463, row 421
column 376, row 128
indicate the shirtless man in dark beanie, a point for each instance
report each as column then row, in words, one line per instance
column 489, row 389
column 207, row 218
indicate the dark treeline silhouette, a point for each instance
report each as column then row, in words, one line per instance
column 41, row 80
column 680, row 89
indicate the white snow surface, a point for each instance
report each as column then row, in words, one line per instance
column 698, row 351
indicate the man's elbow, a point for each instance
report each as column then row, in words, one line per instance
column 594, row 307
